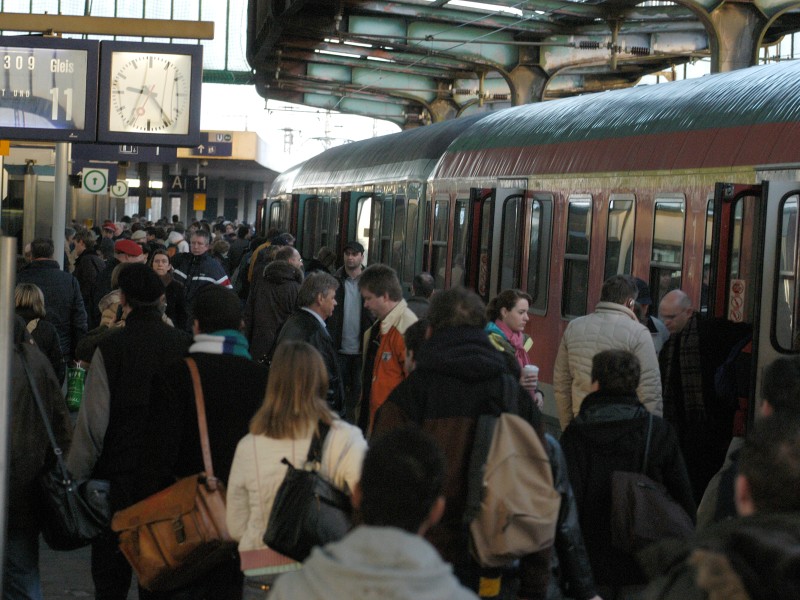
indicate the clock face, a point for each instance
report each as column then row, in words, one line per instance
column 150, row 93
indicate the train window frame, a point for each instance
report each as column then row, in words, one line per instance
column 539, row 251
column 399, row 205
column 436, row 238
column 313, row 206
column 278, row 215
column 461, row 241
column 511, row 224
column 410, row 241
column 659, row 267
column 792, row 272
column 626, row 231
column 364, row 209
column 485, row 228
column 573, row 260
column 708, row 244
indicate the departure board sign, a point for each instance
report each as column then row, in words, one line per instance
column 48, row 89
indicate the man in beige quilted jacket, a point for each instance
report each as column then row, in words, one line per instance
column 612, row 326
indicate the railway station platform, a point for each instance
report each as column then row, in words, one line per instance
column 67, row 575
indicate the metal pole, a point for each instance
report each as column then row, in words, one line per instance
column 61, row 187
column 8, row 275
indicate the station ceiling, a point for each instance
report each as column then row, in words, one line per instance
column 418, row 61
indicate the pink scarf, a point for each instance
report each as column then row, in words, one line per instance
column 517, row 340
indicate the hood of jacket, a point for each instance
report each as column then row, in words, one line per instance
column 376, row 562
column 462, row 352
column 280, row 271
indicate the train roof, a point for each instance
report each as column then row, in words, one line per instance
column 744, row 117
column 408, row 155
column 284, row 182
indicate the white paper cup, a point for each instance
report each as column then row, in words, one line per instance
column 531, row 370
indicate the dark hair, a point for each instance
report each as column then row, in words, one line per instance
column 456, row 307
column 781, row 387
column 770, row 461
column 506, row 299
column 313, row 285
column 242, row 231
column 89, row 239
column 381, row 279
column 402, row 477
column 42, row 248
column 619, row 289
column 160, row 233
column 617, row 372
column 415, row 335
column 216, row 308
column 422, row 284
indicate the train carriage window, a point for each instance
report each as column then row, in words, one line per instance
column 785, row 325
column 667, row 256
column 619, row 235
column 331, row 237
column 398, row 235
column 438, row 249
column 409, row 266
column 376, row 229
column 382, row 229
column 279, row 215
column 460, row 235
column 709, row 241
column 575, row 289
column 511, row 243
column 364, row 220
column 312, row 219
column 539, row 250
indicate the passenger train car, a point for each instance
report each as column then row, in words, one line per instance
column 692, row 185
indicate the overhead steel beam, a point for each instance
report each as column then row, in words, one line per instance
column 357, row 63
column 163, row 28
column 422, row 8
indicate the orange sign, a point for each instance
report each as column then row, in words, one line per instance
column 199, row 202
column 5, row 147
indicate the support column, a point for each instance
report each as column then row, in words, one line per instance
column 144, row 186
column 527, row 85
column 60, row 187
column 737, row 31
column 242, row 187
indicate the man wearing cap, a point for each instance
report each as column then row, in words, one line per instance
column 110, row 426
column 197, row 270
column 125, row 251
column 348, row 324
column 107, row 240
column 641, row 307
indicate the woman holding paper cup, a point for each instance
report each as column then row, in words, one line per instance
column 507, row 314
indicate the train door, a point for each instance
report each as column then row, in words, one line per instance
column 778, row 323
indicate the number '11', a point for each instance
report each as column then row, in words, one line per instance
column 68, row 109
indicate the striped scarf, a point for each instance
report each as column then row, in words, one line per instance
column 224, row 341
column 691, row 380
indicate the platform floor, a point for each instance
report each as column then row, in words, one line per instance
column 67, row 575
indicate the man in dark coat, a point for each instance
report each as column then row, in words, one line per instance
column 30, row 451
column 110, row 429
column 609, row 434
column 316, row 300
column 233, row 389
column 458, row 377
column 272, row 300
column 88, row 264
column 348, row 324
column 62, row 295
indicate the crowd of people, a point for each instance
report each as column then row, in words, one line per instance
column 289, row 351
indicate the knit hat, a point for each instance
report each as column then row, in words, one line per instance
column 128, row 247
column 174, row 237
column 140, row 235
column 141, row 283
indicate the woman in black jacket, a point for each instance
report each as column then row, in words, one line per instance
column 173, row 290
column 29, row 302
column 609, row 434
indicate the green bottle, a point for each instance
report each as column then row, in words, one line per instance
column 75, row 379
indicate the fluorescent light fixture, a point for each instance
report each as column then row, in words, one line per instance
column 154, row 185
column 379, row 59
column 332, row 53
column 490, row 8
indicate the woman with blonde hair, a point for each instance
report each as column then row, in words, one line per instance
column 29, row 303
column 284, row 426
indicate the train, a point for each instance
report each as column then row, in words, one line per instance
column 692, row 184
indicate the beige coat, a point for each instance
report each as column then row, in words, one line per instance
column 610, row 327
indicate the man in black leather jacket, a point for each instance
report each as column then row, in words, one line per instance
column 317, row 299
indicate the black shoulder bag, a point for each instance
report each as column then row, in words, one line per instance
column 642, row 511
column 308, row 510
column 72, row 513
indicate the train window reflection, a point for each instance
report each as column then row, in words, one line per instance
column 312, row 218
column 385, row 230
column 485, row 256
column 460, row 230
column 398, row 237
column 364, row 221
column 574, row 293
column 411, row 240
column 539, row 250
column 510, row 243
column 707, row 256
column 785, row 310
column 279, row 215
column 438, row 248
column 619, row 236
column 667, row 254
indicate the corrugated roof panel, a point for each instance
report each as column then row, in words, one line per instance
column 754, row 96
column 400, row 156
